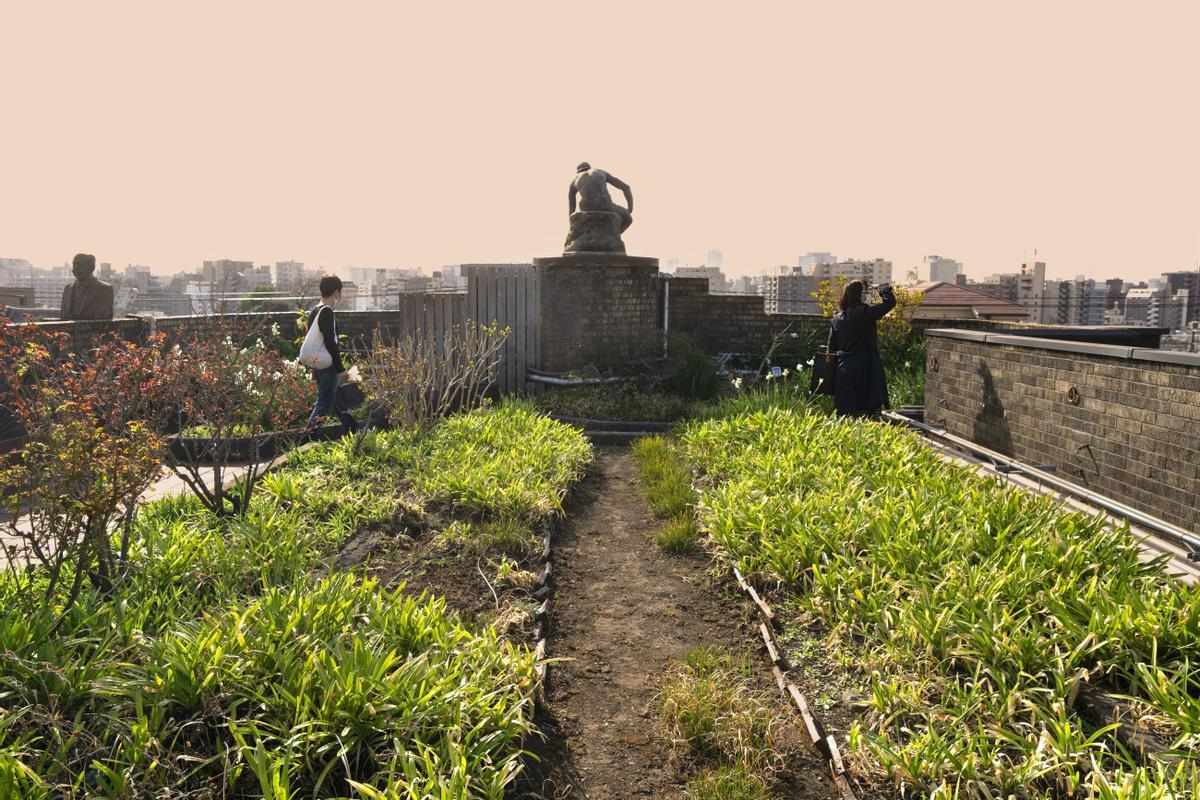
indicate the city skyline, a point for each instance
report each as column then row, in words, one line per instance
column 390, row 136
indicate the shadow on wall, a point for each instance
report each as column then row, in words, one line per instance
column 991, row 425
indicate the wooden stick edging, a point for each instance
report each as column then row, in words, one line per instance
column 825, row 743
column 541, row 592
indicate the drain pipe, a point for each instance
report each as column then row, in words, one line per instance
column 666, row 313
column 1143, row 520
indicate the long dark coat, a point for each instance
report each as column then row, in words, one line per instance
column 861, row 387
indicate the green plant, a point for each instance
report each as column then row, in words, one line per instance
column 710, row 713
column 727, row 783
column 691, row 373
column 665, row 478
column 678, row 535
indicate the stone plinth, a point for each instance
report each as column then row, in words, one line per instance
column 594, row 232
column 597, row 309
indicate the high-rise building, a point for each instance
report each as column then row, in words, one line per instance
column 943, row 269
column 289, row 275
column 1031, row 291
column 809, row 261
column 1144, row 305
column 222, row 271
column 1189, row 281
column 791, row 294
column 714, row 259
column 873, row 272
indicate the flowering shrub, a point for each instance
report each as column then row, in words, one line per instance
column 91, row 448
column 225, row 384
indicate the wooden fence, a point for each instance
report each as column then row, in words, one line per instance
column 506, row 295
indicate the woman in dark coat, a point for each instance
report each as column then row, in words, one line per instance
column 860, row 388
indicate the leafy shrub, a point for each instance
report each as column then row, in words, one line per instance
column 691, row 373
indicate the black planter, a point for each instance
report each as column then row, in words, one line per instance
column 245, row 449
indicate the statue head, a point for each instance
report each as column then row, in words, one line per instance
column 83, row 266
column 584, row 167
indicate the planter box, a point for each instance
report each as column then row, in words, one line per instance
column 245, row 449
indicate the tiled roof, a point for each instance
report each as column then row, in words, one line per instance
column 941, row 295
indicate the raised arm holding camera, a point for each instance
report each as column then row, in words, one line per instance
column 861, row 386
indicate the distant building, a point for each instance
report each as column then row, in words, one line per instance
column 943, row 269
column 1144, row 306
column 1188, row 281
column 943, row 300
column 289, row 275
column 714, row 276
column 48, row 287
column 715, row 259
column 791, row 294
column 873, row 272
column 223, row 270
column 809, row 261
column 20, row 296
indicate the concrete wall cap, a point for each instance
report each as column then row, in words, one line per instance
column 956, row 333
column 1167, row 356
column 1086, row 348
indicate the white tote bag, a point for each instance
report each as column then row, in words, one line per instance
column 313, row 353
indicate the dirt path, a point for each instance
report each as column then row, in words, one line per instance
column 623, row 611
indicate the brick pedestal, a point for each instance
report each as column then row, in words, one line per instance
column 597, row 309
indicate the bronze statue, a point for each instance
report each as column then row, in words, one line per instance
column 599, row 223
column 87, row 297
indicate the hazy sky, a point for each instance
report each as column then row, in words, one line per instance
column 421, row 134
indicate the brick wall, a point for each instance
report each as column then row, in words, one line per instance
column 1131, row 433
column 597, row 309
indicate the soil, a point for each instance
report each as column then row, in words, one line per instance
column 623, row 612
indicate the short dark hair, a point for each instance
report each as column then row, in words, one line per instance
column 852, row 295
column 86, row 260
column 329, row 285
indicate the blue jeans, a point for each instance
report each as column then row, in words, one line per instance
column 327, row 400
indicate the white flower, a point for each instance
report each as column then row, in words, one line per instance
column 795, row 336
column 811, row 361
column 275, row 329
column 737, row 383
column 799, row 367
column 907, row 363
column 786, row 372
column 769, row 376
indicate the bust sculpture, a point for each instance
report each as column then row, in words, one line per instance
column 87, row 297
column 598, row 224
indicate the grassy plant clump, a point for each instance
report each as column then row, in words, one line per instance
column 728, row 783
column 665, row 478
column 508, row 460
column 679, row 535
column 711, row 714
column 984, row 612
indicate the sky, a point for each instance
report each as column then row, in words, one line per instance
column 421, row 134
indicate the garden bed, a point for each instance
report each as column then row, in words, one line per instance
column 247, row 656
column 959, row 629
column 245, row 449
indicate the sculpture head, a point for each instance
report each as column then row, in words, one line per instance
column 83, row 266
column 583, row 167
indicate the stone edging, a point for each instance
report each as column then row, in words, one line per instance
column 825, row 743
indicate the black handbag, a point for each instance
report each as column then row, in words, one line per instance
column 824, row 373
column 350, row 395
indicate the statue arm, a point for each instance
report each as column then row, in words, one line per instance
column 617, row 183
column 571, row 198
column 66, row 303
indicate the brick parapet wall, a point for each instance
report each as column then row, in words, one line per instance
column 1133, row 433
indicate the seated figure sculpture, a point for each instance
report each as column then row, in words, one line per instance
column 598, row 224
column 88, row 297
